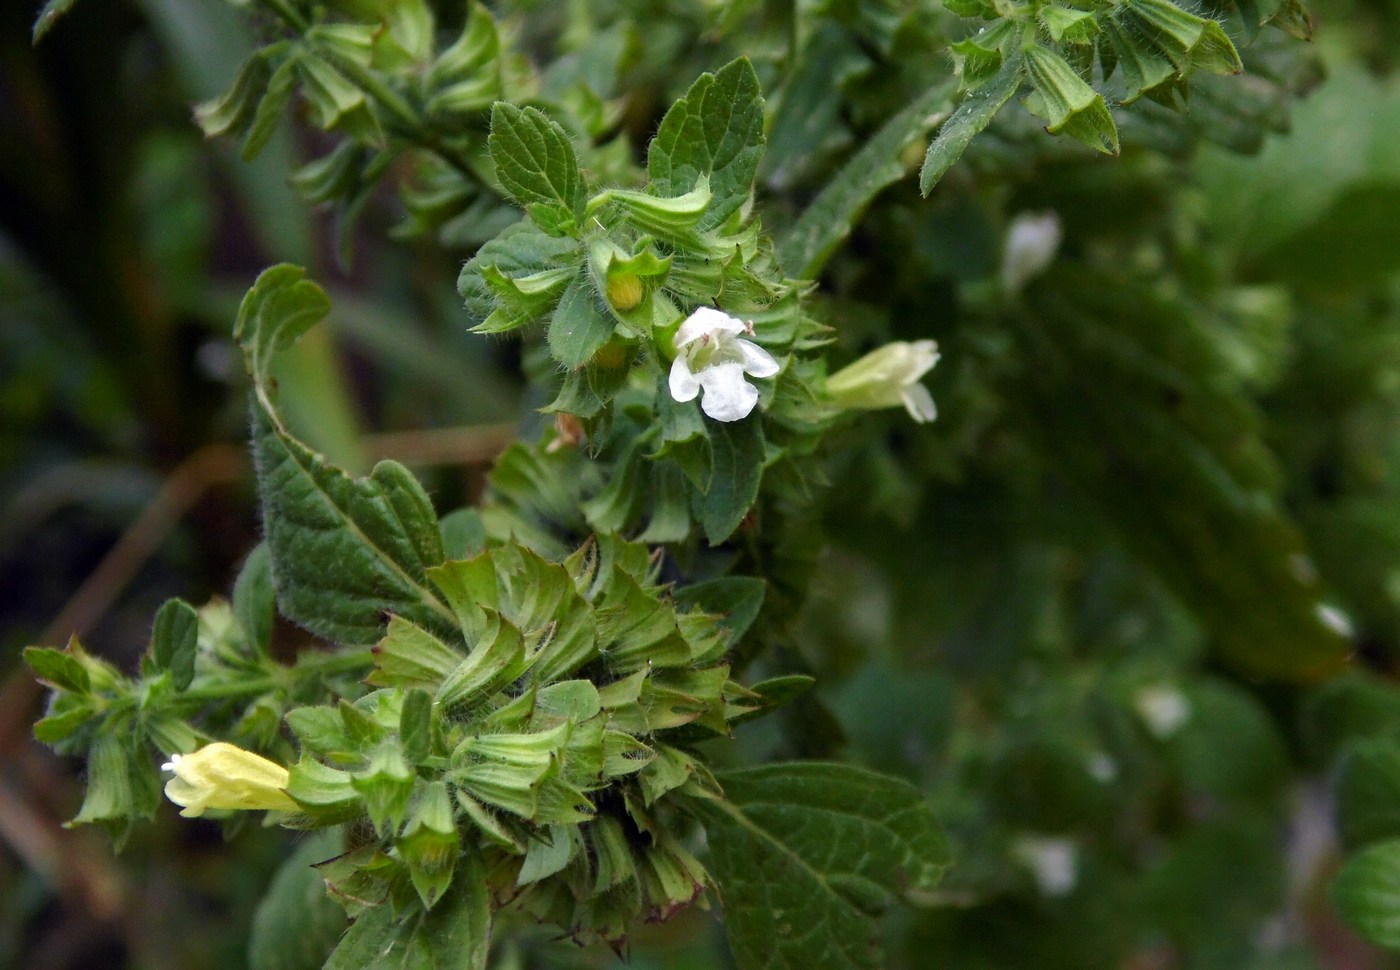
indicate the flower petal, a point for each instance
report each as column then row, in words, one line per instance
column 704, row 320
column 728, row 397
column 757, row 361
column 919, row 403
column 684, row 386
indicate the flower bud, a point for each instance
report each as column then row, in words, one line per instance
column 888, row 377
column 224, row 776
column 624, row 291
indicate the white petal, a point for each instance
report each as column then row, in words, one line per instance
column 728, row 397
column 705, row 320
column 684, row 386
column 919, row 403
column 757, row 361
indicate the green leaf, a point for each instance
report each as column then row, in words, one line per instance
column 174, row 640
column 739, row 452
column 269, row 111
column 579, row 325
column 454, row 935
column 255, row 600
column 1367, row 893
column 829, row 219
column 296, row 924
column 48, row 16
column 535, row 163
column 715, row 132
column 1368, row 793
column 973, row 115
column 58, row 668
column 803, row 853
column 345, row 552
column 736, row 599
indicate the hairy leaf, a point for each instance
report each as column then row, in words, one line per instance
column 805, row 852
column 714, row 131
column 345, row 552
column 739, row 453
column 974, row 114
column 535, row 163
column 454, row 935
column 296, row 925
column 831, row 216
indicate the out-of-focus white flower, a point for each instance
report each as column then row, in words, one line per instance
column 1031, row 243
column 712, row 357
column 888, row 377
column 1054, row 862
column 222, row 775
column 1101, row 767
column 1163, row 708
column 1335, row 620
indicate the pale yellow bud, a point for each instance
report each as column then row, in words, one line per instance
column 888, row 377
column 222, row 775
column 625, row 291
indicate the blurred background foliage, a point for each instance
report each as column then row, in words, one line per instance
column 1072, row 610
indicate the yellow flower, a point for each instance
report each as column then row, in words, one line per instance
column 221, row 775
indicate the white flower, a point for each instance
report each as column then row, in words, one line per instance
column 888, row 377
column 1054, row 862
column 710, row 356
column 1163, row 708
column 1031, row 244
column 222, row 775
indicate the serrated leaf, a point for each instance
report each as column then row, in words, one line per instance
column 973, row 115
column 345, row 552
column 1367, row 893
column 536, row 164
column 580, row 325
column 714, row 131
column 803, row 852
column 829, row 219
column 174, row 639
column 296, row 924
column 739, row 452
column 454, row 935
